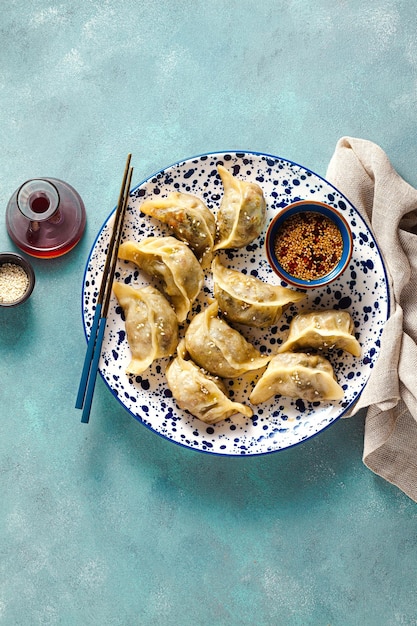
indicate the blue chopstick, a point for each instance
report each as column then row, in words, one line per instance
column 88, row 358
column 85, row 417
column 95, row 341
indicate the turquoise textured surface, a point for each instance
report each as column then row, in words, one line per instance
column 108, row 523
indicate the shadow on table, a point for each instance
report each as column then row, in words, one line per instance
column 311, row 469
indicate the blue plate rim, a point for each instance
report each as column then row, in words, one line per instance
column 238, row 153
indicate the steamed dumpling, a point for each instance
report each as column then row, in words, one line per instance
column 173, row 263
column 189, row 219
column 322, row 330
column 248, row 300
column 242, row 213
column 309, row 377
column 151, row 325
column 220, row 349
column 199, row 393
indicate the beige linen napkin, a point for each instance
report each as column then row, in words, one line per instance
column 362, row 171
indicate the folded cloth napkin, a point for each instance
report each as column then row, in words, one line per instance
column 362, row 171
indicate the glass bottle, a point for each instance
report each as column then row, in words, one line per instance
column 45, row 217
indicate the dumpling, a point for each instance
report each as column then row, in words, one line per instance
column 248, row 300
column 189, row 219
column 309, row 377
column 173, row 263
column 151, row 325
column 242, row 213
column 220, row 349
column 322, row 330
column 199, row 393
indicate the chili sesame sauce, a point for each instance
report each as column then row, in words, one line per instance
column 308, row 245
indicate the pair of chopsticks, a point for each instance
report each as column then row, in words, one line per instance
column 95, row 341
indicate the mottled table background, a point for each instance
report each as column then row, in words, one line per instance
column 109, row 524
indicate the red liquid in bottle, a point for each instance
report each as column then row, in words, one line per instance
column 45, row 217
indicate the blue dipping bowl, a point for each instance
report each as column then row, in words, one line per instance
column 306, row 206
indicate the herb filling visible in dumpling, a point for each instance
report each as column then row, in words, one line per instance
column 189, row 219
column 248, row 300
column 173, row 263
column 297, row 375
column 220, row 349
column 242, row 213
column 199, row 393
column 151, row 325
column 322, row 330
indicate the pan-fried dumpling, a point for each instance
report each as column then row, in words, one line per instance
column 172, row 262
column 242, row 213
column 220, row 349
column 248, row 300
column 151, row 325
column 199, row 393
column 189, row 219
column 309, row 377
column 322, row 330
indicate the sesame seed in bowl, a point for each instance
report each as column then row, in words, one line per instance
column 17, row 279
column 309, row 244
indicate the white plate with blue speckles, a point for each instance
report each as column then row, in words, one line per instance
column 280, row 423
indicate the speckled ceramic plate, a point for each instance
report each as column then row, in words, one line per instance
column 281, row 422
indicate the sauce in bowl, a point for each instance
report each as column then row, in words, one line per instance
column 308, row 245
